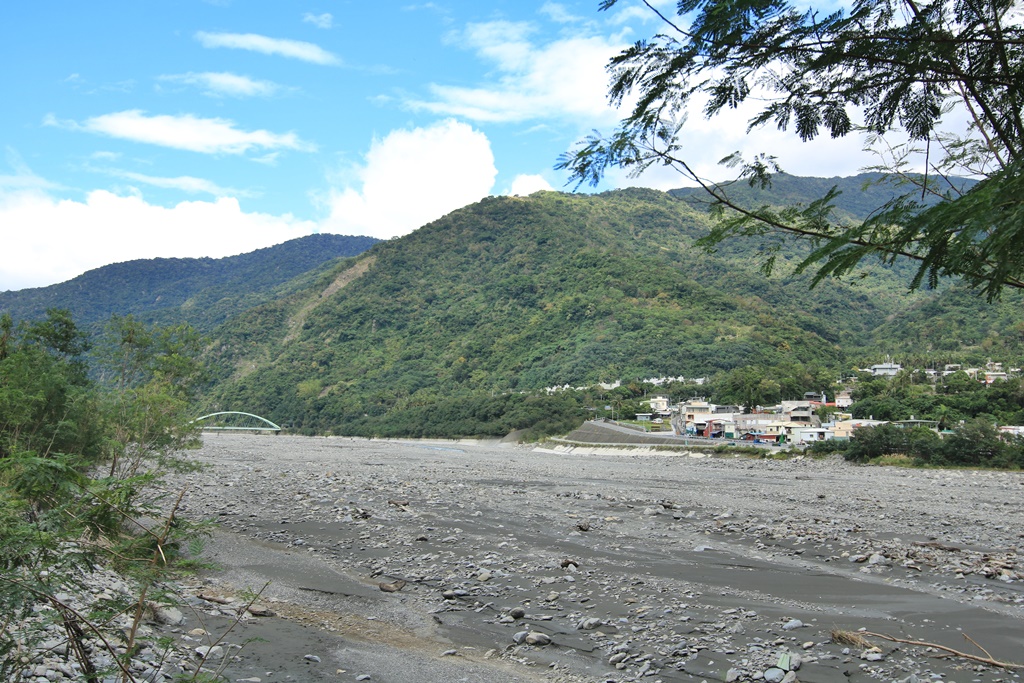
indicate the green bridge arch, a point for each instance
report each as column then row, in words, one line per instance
column 236, row 421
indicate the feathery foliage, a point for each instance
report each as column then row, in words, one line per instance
column 886, row 69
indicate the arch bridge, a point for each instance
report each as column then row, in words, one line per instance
column 232, row 420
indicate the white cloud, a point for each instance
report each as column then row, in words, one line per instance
column 705, row 142
column 187, row 132
column 564, row 79
column 631, row 12
column 222, row 83
column 294, row 49
column 48, row 240
column 412, row 177
column 526, row 184
column 185, row 183
column 23, row 178
column 558, row 12
column 324, row 20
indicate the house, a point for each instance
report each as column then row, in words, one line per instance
column 844, row 429
column 911, row 423
column 695, row 414
column 844, row 399
column 659, row 404
column 773, row 432
column 799, row 411
column 751, row 422
column 810, row 434
column 885, row 369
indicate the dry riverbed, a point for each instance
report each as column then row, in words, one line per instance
column 395, row 561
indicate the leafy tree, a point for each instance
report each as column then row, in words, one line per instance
column 889, row 69
column 977, row 442
column 868, row 443
column 63, row 513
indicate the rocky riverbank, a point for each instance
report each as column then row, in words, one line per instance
column 444, row 561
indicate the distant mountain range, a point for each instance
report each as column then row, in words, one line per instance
column 437, row 333
column 201, row 291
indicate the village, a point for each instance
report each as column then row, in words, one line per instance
column 796, row 422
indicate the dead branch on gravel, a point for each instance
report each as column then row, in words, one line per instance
column 858, row 639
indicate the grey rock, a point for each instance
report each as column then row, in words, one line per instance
column 774, row 675
column 209, row 651
column 537, row 638
column 171, row 616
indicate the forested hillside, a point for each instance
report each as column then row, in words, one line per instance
column 201, row 291
column 514, row 294
column 453, row 329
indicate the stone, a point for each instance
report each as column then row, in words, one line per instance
column 171, row 616
column 517, row 613
column 792, row 625
column 312, row 658
column 774, row 675
column 261, row 611
column 537, row 638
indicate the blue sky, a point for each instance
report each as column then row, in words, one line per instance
column 136, row 129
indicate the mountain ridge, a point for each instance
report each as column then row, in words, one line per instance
column 203, row 291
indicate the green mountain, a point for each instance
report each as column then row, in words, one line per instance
column 201, row 291
column 515, row 294
column 859, row 195
column 453, row 329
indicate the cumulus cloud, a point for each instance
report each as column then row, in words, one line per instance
column 48, row 240
column 187, row 132
column 220, row 84
column 564, row 78
column 411, row 177
column 324, row 20
column 526, row 184
column 293, row 49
